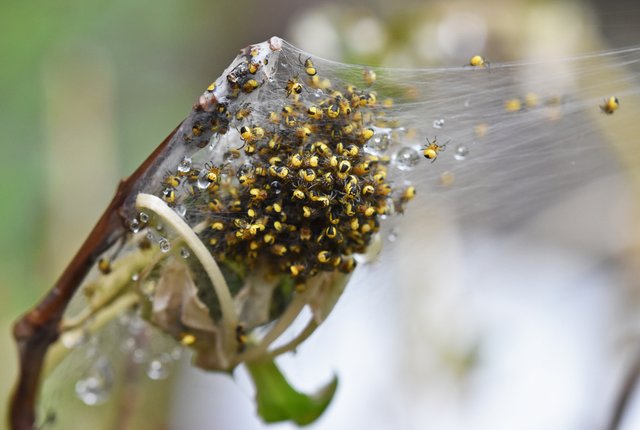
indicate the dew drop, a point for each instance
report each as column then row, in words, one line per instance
column 407, row 158
column 203, row 183
column 129, row 344
column 184, row 253
column 185, row 165
column 461, row 152
column 95, row 385
column 134, row 225
column 438, row 123
column 139, row 355
column 393, row 234
column 160, row 367
column 144, row 217
column 164, row 244
column 378, row 144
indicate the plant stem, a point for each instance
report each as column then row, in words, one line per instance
column 191, row 239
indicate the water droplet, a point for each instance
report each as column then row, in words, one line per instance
column 129, row 344
column 160, row 367
column 393, row 234
column 467, row 103
column 438, row 123
column 139, row 356
column 159, row 227
column 134, row 225
column 276, row 187
column 203, row 183
column 184, row 253
column 461, row 152
column 378, row 144
column 96, row 383
column 164, row 244
column 144, row 217
column 185, row 165
column 181, row 210
column 407, row 158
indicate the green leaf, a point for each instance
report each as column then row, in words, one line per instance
column 278, row 401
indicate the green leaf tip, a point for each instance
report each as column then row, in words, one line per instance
column 278, row 401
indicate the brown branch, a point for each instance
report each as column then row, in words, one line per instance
column 39, row 328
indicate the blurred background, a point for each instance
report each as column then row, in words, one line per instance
column 88, row 89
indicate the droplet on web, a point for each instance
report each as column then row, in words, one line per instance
column 160, row 367
column 393, row 234
column 96, row 384
column 134, row 225
column 378, row 144
column 461, row 152
column 407, row 158
column 185, row 165
column 165, row 245
column 203, row 183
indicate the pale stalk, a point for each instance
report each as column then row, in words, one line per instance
column 200, row 251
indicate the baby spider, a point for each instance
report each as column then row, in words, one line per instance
column 293, row 86
column 479, row 62
column 309, row 68
column 610, row 105
column 431, row 150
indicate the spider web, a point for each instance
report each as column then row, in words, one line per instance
column 517, row 139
